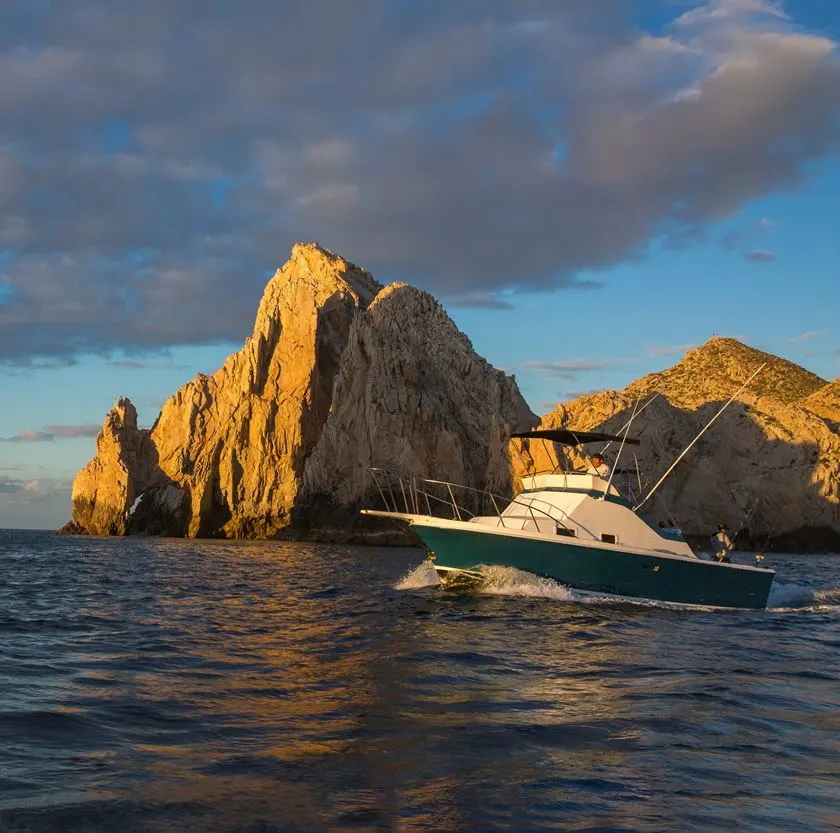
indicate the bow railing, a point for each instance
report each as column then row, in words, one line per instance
column 413, row 495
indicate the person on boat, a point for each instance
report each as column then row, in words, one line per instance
column 599, row 467
column 721, row 544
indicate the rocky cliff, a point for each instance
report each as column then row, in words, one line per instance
column 771, row 460
column 106, row 488
column 340, row 374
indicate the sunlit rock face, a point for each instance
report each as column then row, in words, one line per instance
column 340, row 374
column 105, row 489
column 412, row 396
column 771, row 460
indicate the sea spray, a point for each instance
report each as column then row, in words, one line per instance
column 508, row 581
column 423, row 575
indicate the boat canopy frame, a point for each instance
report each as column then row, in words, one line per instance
column 567, row 436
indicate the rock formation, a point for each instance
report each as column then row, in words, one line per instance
column 771, row 460
column 340, row 374
column 106, row 488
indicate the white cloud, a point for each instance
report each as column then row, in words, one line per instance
column 808, row 335
column 49, row 433
column 213, row 158
column 567, row 368
column 760, row 256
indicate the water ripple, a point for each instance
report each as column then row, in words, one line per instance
column 160, row 685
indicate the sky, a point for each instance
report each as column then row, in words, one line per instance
column 591, row 189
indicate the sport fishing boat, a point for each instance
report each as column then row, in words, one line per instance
column 571, row 526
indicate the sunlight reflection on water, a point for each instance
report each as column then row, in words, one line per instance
column 178, row 685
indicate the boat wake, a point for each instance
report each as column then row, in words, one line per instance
column 786, row 596
column 498, row 581
column 508, row 581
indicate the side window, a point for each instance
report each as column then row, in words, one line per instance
column 608, row 538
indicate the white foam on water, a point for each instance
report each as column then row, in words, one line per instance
column 508, row 581
column 784, row 595
column 792, row 598
column 423, row 575
column 829, row 597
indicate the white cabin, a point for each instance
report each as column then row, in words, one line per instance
column 582, row 506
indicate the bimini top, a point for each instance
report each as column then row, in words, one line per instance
column 567, row 437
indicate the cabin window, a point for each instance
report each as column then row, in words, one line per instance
column 608, row 538
column 561, row 530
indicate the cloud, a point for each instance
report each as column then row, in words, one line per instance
column 143, row 364
column 49, row 433
column 654, row 350
column 34, row 491
column 164, row 177
column 480, row 300
column 806, row 336
column 566, row 369
column 569, row 395
column 723, row 9
column 760, row 256
column 742, row 236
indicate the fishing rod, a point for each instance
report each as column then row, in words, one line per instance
column 747, row 515
column 747, row 518
column 632, row 417
column 759, row 556
column 700, row 434
column 621, row 447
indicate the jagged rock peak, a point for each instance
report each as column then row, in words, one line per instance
column 716, row 370
column 104, row 490
column 318, row 272
column 401, row 305
column 122, row 415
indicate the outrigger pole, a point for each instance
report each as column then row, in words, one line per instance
column 700, row 434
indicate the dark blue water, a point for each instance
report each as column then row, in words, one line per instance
column 159, row 685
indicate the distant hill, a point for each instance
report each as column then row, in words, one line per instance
column 719, row 367
column 772, row 458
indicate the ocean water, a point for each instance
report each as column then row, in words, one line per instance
column 163, row 685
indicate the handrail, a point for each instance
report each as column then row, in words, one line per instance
column 415, row 491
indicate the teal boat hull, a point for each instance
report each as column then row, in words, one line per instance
column 601, row 569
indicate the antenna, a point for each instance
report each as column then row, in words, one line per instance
column 634, row 414
column 700, row 434
column 621, row 447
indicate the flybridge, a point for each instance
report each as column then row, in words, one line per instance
column 567, row 437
